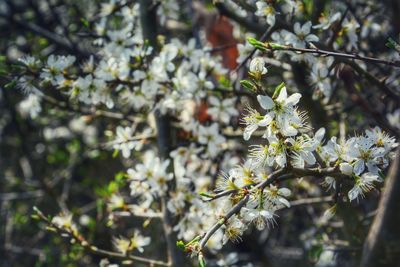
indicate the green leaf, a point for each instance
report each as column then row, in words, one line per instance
column 85, row 22
column 204, row 194
column 120, row 177
column 393, row 44
column 194, row 240
column 257, row 44
column 11, row 85
column 225, row 82
column 278, row 90
column 202, row 261
column 248, row 85
column 315, row 252
column 382, row 175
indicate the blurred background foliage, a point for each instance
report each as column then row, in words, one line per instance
column 49, row 163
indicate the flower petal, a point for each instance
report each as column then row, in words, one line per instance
column 265, row 102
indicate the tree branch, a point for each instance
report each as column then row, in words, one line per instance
column 93, row 249
column 383, row 236
column 327, row 53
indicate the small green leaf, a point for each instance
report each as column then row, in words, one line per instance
column 248, row 85
column 226, row 83
column 115, row 153
column 204, row 194
column 120, row 177
column 257, row 44
column 202, row 261
column 278, row 90
column 315, row 252
column 393, row 44
column 85, row 22
column 11, row 85
column 382, row 175
column 194, row 240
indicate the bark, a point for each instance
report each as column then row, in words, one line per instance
column 382, row 245
column 148, row 17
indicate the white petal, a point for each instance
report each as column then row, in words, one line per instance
column 346, row 168
column 312, row 38
column 354, row 192
column 249, row 130
column 297, row 28
column 309, row 158
column 265, row 102
column 359, row 167
column 284, row 201
column 282, row 95
column 266, row 121
column 266, row 214
column 293, row 99
column 284, row 192
column 319, row 134
column 288, row 130
column 281, row 160
column 306, row 28
column 371, row 177
column 372, row 167
column 214, row 101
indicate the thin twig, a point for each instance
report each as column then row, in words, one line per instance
column 235, row 209
column 309, row 201
column 93, row 249
column 21, row 195
column 327, row 53
column 93, row 112
column 147, row 215
column 372, row 79
column 279, row 175
column 262, row 38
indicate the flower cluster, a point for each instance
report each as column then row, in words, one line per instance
column 125, row 245
column 292, row 149
column 363, row 158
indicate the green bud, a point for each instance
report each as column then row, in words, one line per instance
column 181, row 245
column 276, row 46
column 257, row 44
column 51, row 229
column 252, row 40
column 35, row 217
column 115, row 153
